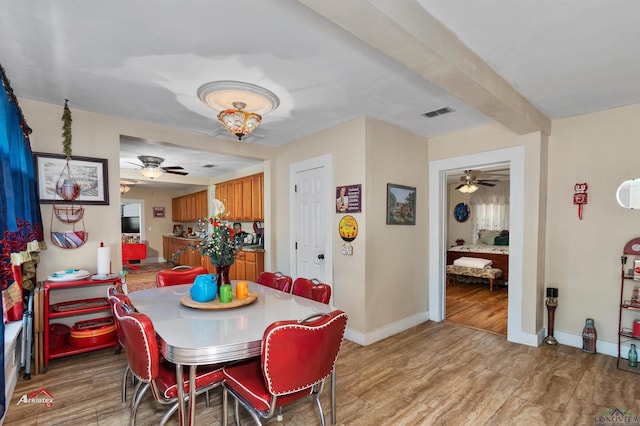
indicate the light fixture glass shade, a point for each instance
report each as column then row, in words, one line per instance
column 238, row 121
column 151, row 172
column 124, row 188
column 240, row 104
column 468, row 188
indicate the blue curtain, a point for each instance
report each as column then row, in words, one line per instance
column 20, row 217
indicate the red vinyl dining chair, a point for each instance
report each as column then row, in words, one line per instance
column 114, row 296
column 276, row 280
column 179, row 275
column 151, row 370
column 296, row 358
column 312, row 289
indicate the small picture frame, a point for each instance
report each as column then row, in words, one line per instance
column 90, row 173
column 401, row 205
column 158, row 212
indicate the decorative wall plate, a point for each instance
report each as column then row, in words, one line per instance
column 633, row 247
column 461, row 212
column 348, row 228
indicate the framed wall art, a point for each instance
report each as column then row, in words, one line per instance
column 90, row 173
column 401, row 205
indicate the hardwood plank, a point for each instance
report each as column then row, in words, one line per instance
column 473, row 305
column 433, row 373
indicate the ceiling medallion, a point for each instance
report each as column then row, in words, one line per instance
column 240, row 104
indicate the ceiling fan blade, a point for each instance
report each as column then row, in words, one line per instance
column 177, row 173
column 460, row 186
column 172, row 168
column 135, row 164
column 485, row 183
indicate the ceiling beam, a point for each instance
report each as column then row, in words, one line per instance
column 406, row 32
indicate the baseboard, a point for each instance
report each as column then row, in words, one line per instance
column 388, row 330
column 575, row 340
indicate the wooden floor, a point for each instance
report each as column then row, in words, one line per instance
column 432, row 374
column 473, row 305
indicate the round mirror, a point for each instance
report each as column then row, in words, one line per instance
column 628, row 194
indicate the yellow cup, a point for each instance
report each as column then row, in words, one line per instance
column 242, row 290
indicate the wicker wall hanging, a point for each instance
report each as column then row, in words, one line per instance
column 68, row 190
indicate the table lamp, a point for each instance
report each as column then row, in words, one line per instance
column 552, row 304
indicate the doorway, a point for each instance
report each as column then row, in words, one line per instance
column 438, row 227
column 311, row 215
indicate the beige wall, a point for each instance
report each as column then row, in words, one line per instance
column 154, row 227
column 396, row 255
column 583, row 256
column 384, row 282
column 345, row 144
column 96, row 135
column 381, row 284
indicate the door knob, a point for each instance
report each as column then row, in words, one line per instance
column 321, row 256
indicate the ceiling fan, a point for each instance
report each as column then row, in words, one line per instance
column 151, row 167
column 469, row 181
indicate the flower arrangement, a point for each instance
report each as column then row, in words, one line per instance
column 223, row 244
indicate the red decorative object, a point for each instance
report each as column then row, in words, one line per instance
column 580, row 196
column 222, row 273
column 93, row 332
column 133, row 252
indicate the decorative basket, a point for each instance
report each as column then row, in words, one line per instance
column 69, row 240
column 69, row 214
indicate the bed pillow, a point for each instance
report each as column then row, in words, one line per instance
column 487, row 236
column 473, row 262
column 501, row 240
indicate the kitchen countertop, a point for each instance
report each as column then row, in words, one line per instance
column 255, row 248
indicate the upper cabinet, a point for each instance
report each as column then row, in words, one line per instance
column 190, row 207
column 243, row 198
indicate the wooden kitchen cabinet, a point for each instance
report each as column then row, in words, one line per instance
column 243, row 198
column 190, row 207
column 247, row 266
column 189, row 255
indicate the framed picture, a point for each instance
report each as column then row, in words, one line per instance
column 158, row 212
column 401, row 205
column 90, row 173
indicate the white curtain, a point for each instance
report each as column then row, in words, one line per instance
column 490, row 208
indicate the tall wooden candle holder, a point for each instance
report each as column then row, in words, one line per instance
column 552, row 304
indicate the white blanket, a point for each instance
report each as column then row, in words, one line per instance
column 473, row 262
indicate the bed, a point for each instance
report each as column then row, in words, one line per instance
column 498, row 254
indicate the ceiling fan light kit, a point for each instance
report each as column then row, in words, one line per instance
column 151, row 167
column 468, row 189
column 240, row 104
column 469, row 181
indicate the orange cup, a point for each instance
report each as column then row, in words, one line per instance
column 242, row 290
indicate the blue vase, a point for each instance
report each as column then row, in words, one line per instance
column 204, row 288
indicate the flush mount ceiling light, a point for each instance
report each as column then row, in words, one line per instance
column 124, row 188
column 240, row 104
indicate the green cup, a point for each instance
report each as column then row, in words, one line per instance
column 225, row 293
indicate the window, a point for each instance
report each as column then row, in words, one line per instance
column 490, row 208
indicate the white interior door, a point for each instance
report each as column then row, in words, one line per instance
column 311, row 222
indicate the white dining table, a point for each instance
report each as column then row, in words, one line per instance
column 189, row 337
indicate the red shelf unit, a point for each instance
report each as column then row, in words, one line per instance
column 50, row 313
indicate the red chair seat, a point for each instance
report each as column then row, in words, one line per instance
column 296, row 358
column 247, row 380
column 167, row 382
